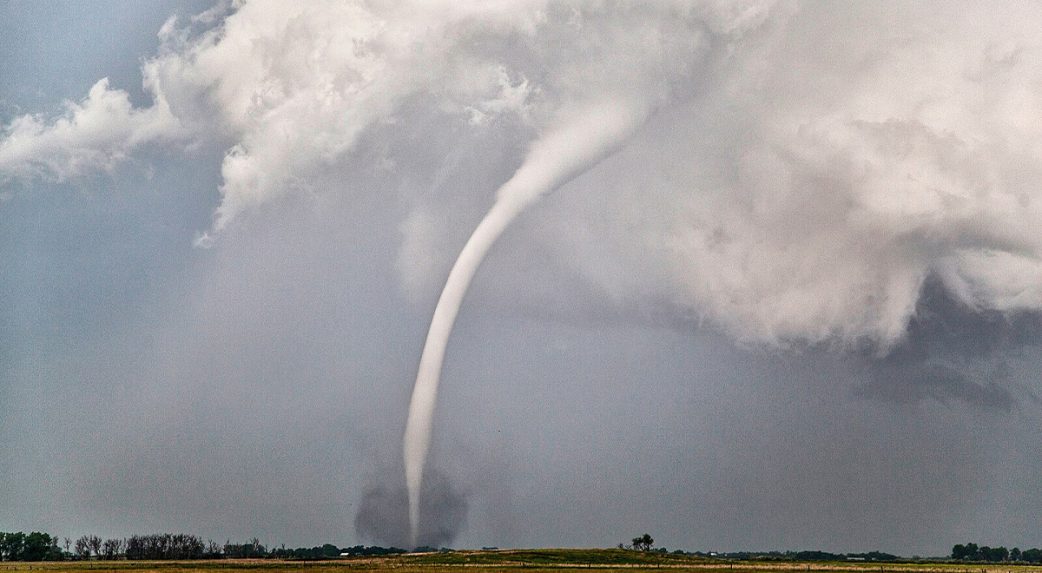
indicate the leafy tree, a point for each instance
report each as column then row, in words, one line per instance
column 973, row 552
column 968, row 552
column 12, row 545
column 35, row 546
column 643, row 543
column 1031, row 555
column 996, row 554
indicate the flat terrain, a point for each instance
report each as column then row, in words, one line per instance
column 531, row 560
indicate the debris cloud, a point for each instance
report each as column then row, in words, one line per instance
column 383, row 516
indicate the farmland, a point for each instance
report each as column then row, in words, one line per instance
column 531, row 561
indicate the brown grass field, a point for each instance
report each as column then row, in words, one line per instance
column 514, row 561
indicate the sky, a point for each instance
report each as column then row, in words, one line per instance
column 779, row 289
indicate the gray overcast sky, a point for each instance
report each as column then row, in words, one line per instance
column 793, row 304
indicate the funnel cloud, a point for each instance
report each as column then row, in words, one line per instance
column 561, row 155
column 743, row 274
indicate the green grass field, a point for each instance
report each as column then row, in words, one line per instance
column 530, row 560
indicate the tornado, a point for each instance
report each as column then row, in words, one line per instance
column 577, row 142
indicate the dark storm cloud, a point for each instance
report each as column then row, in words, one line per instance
column 938, row 382
column 795, row 197
column 948, row 328
column 953, row 352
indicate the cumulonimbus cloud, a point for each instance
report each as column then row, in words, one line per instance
column 823, row 162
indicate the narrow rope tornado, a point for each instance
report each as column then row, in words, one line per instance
column 579, row 142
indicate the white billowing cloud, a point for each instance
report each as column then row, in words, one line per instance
column 95, row 134
column 292, row 86
column 821, row 161
column 297, row 85
column 870, row 162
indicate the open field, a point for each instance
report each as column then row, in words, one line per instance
column 531, row 561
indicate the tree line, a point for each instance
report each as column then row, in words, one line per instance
column 37, row 546
column 974, row 552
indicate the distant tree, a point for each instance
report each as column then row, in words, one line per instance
column 95, row 545
column 82, row 547
column 972, row 552
column 135, row 548
column 54, row 553
column 168, row 546
column 1032, row 555
column 5, row 546
column 356, row 550
column 253, row 548
column 996, row 554
column 815, row 556
column 643, row 543
column 11, row 545
column 35, row 546
column 112, row 548
column 879, row 556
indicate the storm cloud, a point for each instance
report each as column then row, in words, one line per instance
column 794, row 305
